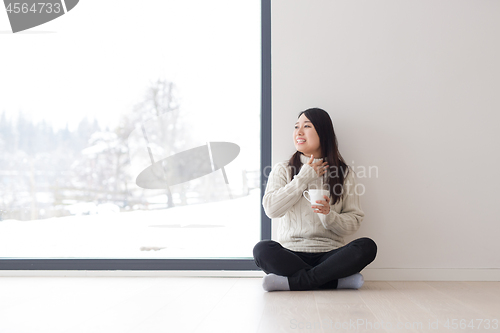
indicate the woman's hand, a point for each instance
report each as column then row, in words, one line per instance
column 325, row 209
column 319, row 167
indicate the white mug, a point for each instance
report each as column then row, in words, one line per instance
column 315, row 195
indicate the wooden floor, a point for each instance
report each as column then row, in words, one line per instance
column 173, row 304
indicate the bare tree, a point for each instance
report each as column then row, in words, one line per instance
column 157, row 117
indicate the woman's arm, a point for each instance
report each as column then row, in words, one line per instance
column 281, row 195
column 351, row 215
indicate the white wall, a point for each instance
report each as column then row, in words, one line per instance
column 412, row 88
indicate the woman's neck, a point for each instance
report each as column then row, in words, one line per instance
column 316, row 156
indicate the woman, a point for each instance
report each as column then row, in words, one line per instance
column 310, row 252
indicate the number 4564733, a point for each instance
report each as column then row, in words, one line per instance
column 39, row 7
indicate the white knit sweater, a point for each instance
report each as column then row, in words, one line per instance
column 300, row 228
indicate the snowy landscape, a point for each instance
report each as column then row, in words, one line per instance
column 224, row 229
column 78, row 126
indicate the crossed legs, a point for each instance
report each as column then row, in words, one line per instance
column 310, row 271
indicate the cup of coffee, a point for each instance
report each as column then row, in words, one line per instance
column 312, row 195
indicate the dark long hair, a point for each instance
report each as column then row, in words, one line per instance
column 338, row 169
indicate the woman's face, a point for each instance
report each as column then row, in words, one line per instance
column 305, row 138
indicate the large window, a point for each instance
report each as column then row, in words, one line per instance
column 134, row 131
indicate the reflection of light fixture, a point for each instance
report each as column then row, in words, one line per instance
column 188, row 165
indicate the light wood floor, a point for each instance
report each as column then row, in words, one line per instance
column 174, row 304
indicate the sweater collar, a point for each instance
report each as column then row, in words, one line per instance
column 305, row 159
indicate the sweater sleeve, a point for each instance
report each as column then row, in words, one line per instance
column 281, row 195
column 349, row 219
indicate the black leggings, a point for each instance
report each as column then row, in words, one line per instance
column 309, row 271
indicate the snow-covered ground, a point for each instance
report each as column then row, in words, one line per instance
column 224, row 229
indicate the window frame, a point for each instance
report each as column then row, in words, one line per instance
column 185, row 264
